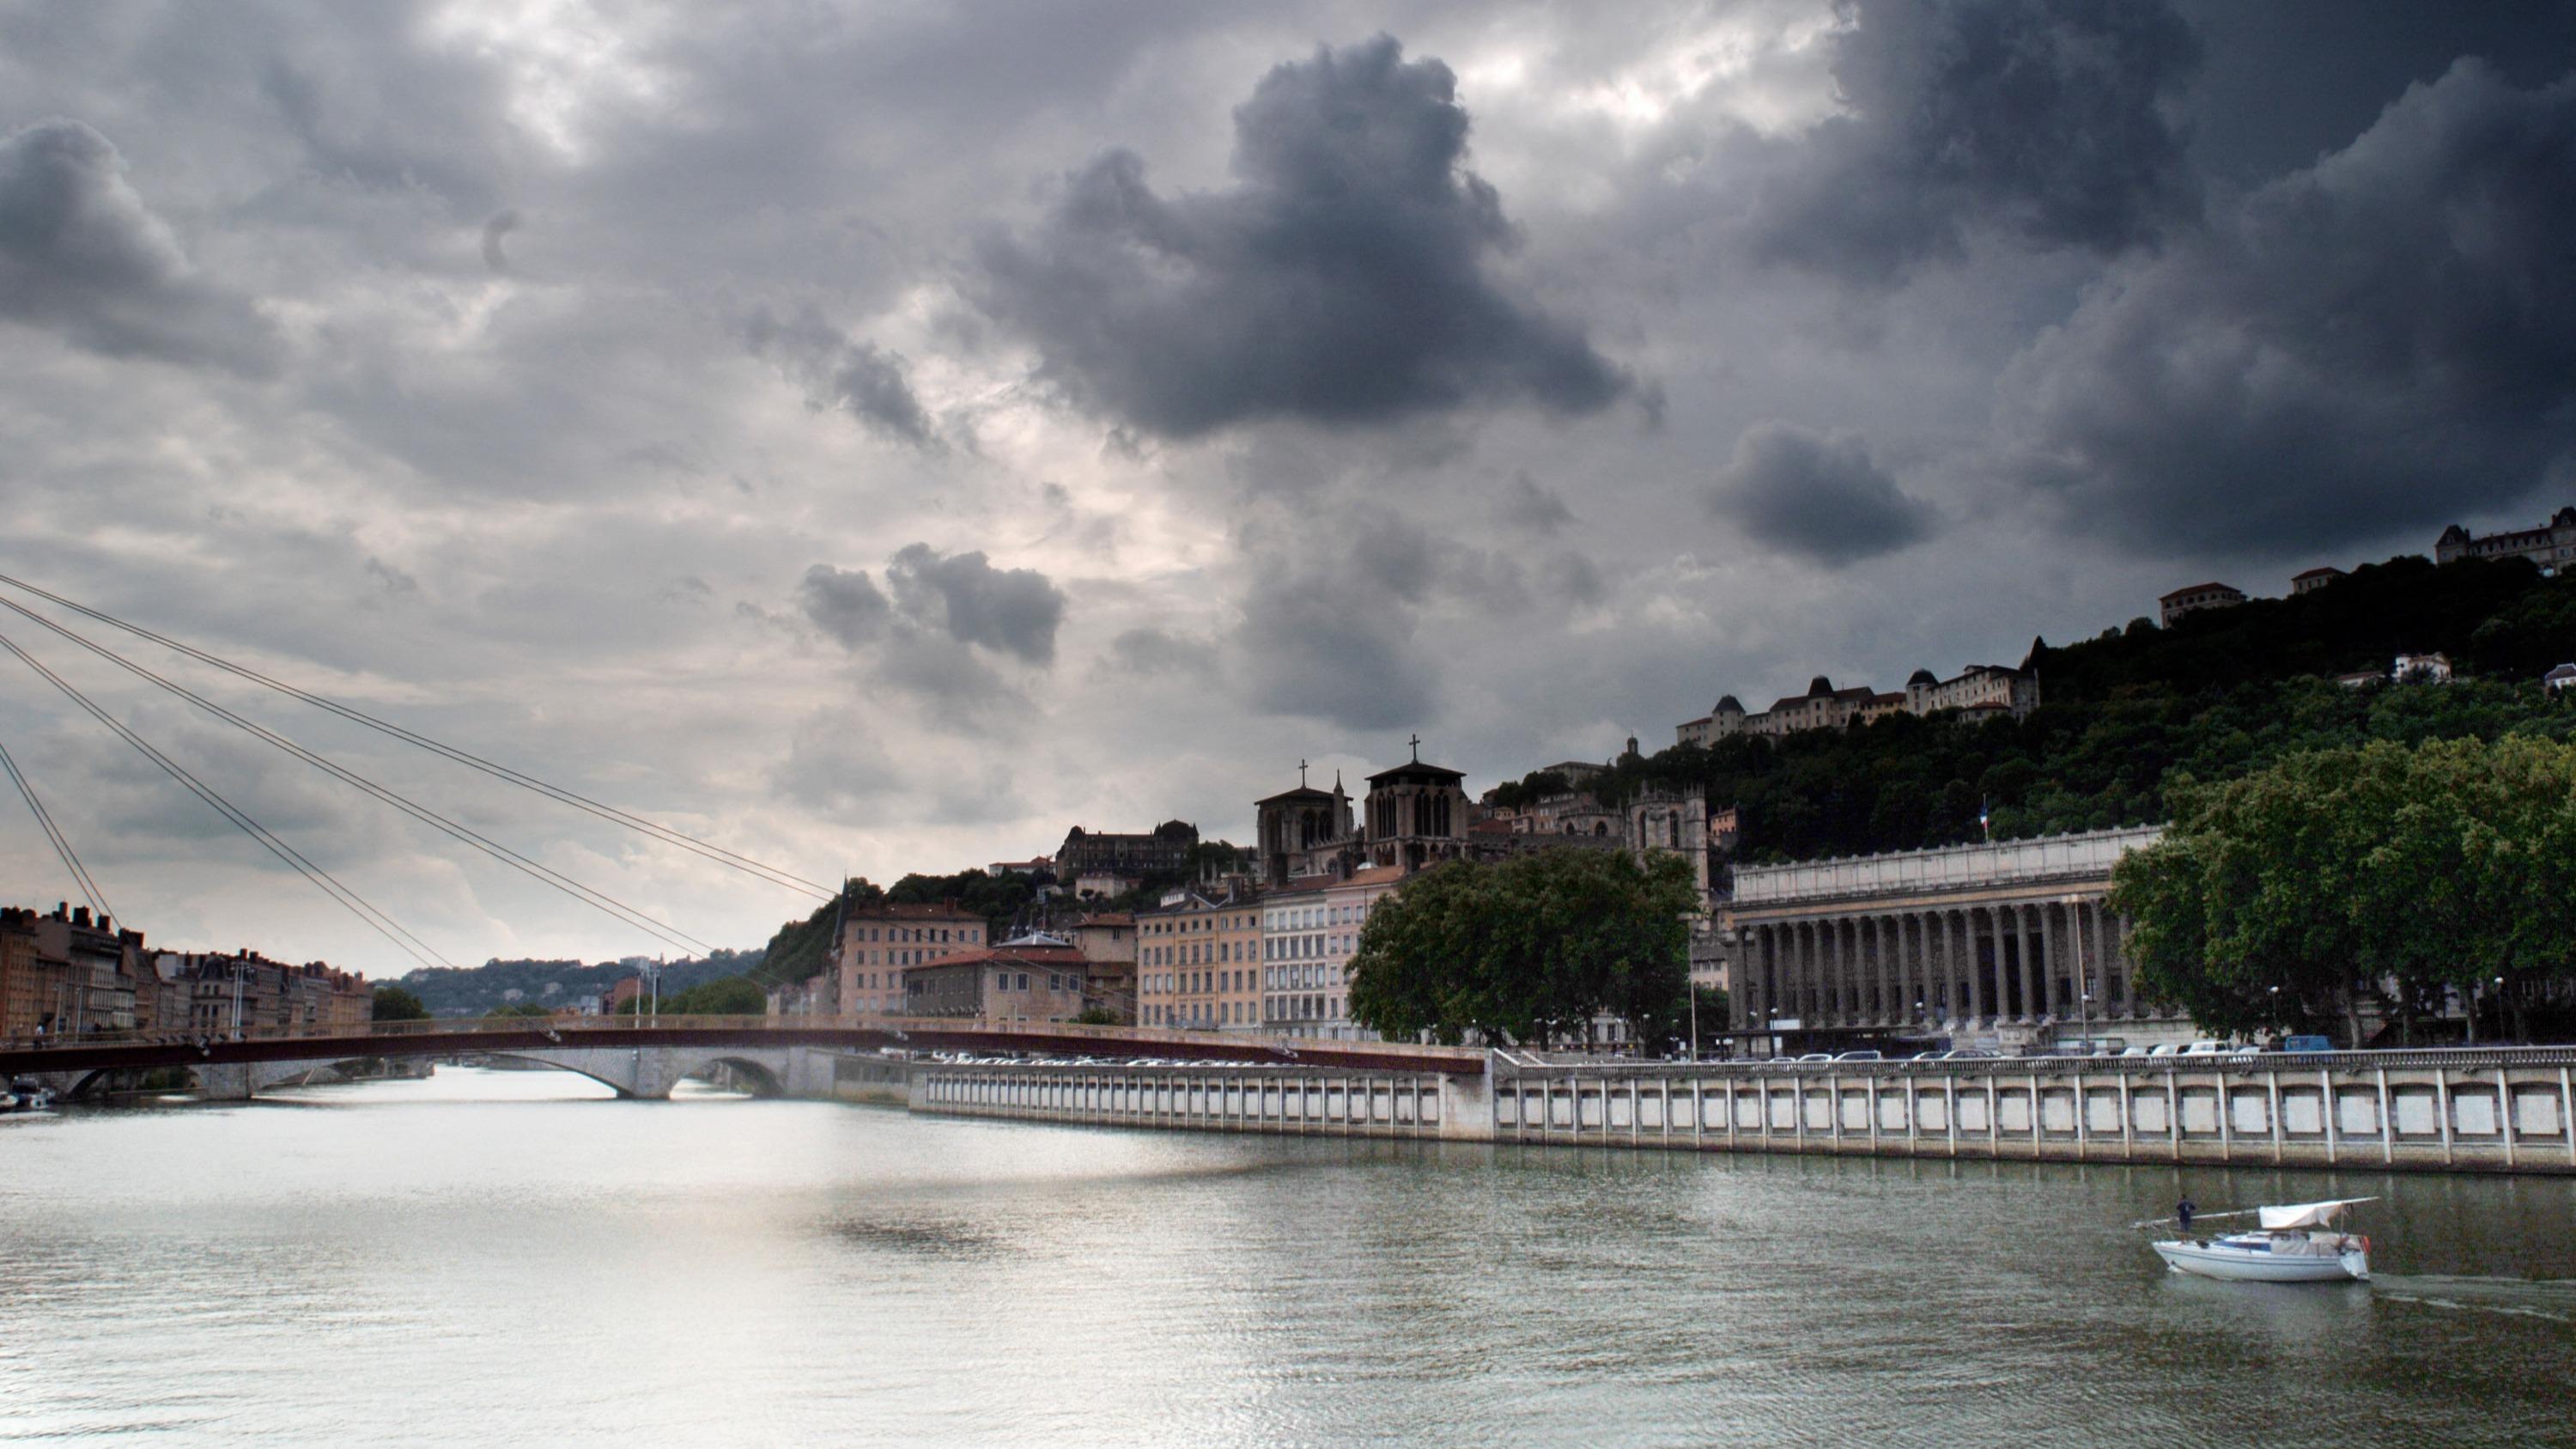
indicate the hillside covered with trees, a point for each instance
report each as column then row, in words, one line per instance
column 2127, row 715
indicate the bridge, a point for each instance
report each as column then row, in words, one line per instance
column 644, row 1057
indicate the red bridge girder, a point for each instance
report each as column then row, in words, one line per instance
column 438, row 1039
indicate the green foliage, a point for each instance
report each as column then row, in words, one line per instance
column 451, row 992
column 2382, row 872
column 732, row 996
column 519, row 1008
column 395, row 1004
column 1528, row 950
column 1095, row 1015
column 2222, row 693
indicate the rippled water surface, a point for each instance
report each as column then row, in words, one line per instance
column 501, row 1258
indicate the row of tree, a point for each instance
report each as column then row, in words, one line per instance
column 2381, row 876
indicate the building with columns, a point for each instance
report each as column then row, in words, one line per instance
column 2008, row 940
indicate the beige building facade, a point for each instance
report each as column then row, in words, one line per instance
column 2010, row 940
column 879, row 942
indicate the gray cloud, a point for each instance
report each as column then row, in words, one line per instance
column 1817, row 496
column 1010, row 611
column 845, row 604
column 499, row 226
column 1528, row 505
column 2044, row 119
column 2386, row 338
column 1341, row 280
column 1159, row 651
column 83, row 256
column 837, row 373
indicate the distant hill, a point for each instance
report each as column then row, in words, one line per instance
column 472, row 991
column 2125, row 714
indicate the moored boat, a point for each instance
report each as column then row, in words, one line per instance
column 2293, row 1243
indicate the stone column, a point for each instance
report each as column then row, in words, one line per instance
column 2052, row 944
column 2059, row 991
column 1976, row 968
column 1962, row 952
column 2024, row 937
column 1892, row 986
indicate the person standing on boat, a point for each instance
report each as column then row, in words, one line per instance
column 2183, row 1211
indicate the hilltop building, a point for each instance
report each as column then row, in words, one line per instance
column 1979, row 689
column 2552, row 545
column 2313, row 580
column 2196, row 597
column 1163, row 850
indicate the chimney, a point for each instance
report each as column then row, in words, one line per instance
column 80, row 915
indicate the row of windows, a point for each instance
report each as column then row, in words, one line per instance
column 913, row 957
column 1199, row 981
column 971, row 935
column 1198, row 953
column 1308, row 974
column 1222, row 1013
column 1174, row 925
column 1304, row 1008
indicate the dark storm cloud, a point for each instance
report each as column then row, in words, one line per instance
column 837, row 373
column 83, row 256
column 1320, row 653
column 2385, row 339
column 1819, row 497
column 1010, row 611
column 845, row 604
column 1342, row 279
column 2044, row 119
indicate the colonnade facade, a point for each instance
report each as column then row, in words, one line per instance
column 2058, row 958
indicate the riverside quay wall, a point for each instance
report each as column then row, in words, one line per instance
column 2503, row 1110
column 1295, row 1100
column 2500, row 1110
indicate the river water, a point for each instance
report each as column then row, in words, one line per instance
column 502, row 1258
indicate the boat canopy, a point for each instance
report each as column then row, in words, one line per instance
column 2306, row 1214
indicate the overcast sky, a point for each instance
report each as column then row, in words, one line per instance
column 877, row 437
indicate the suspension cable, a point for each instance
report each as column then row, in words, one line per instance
column 663, row 833
column 622, row 912
column 330, row 885
column 62, row 844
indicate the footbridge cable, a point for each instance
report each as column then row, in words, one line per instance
column 62, row 843
column 619, row 910
column 357, row 905
column 662, row 833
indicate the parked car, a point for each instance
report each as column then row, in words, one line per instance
column 1817, row 1057
column 1968, row 1054
column 2205, row 1049
column 2306, row 1044
column 1860, row 1056
column 2165, row 1049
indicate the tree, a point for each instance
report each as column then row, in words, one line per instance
column 1532, row 949
column 1095, row 1015
column 2383, row 873
column 395, row 1004
column 518, row 1008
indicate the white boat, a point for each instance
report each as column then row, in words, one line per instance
column 2295, row 1243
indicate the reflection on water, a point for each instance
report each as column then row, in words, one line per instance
column 500, row 1257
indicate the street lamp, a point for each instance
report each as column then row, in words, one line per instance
column 2500, row 1017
